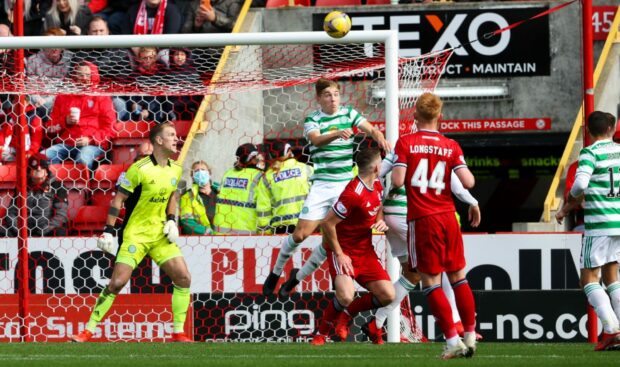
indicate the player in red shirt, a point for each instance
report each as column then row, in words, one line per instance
column 425, row 161
column 351, row 255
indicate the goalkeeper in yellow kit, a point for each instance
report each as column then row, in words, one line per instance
column 148, row 190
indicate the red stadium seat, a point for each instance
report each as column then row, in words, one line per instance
column 102, row 198
column 8, row 176
column 338, row 3
column 76, row 199
column 125, row 154
column 106, row 175
column 183, row 127
column 6, row 197
column 128, row 132
column 72, row 175
column 378, row 2
column 281, row 3
column 89, row 220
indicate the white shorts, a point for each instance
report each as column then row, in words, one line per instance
column 397, row 236
column 598, row 251
column 322, row 195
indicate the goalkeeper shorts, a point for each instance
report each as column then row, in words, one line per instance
column 132, row 253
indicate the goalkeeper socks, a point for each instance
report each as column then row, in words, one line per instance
column 402, row 286
column 602, row 306
column 104, row 302
column 314, row 262
column 180, row 304
column 287, row 249
column 447, row 290
column 440, row 307
column 364, row 303
column 465, row 304
column 329, row 316
column 614, row 294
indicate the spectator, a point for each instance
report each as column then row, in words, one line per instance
column 215, row 16
column 116, row 14
column 47, row 66
column 112, row 63
column 83, row 122
column 181, row 69
column 46, row 202
column 153, row 17
column 34, row 11
column 287, row 183
column 7, row 60
column 69, row 16
column 9, row 137
column 197, row 207
column 235, row 211
column 147, row 73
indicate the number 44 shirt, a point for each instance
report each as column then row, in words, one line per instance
column 428, row 157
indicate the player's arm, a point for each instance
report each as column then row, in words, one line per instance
column 329, row 229
column 376, row 135
column 318, row 140
column 575, row 196
column 380, row 224
column 106, row 240
column 171, row 230
column 465, row 196
column 398, row 176
column 465, row 176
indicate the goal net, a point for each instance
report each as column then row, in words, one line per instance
column 220, row 92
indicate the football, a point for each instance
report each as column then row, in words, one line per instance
column 337, row 24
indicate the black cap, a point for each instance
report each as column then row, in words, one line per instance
column 37, row 160
column 279, row 149
column 246, row 152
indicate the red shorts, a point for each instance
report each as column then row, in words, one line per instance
column 436, row 244
column 367, row 268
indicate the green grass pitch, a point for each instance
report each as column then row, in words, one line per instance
column 289, row 355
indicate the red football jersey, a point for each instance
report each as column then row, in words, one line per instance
column 429, row 158
column 358, row 206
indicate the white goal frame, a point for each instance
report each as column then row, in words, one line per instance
column 388, row 37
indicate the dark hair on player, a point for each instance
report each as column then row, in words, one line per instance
column 323, row 84
column 157, row 131
column 366, row 158
column 600, row 123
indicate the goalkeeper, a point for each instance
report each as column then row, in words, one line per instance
column 148, row 190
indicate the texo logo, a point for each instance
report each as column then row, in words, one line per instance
column 448, row 33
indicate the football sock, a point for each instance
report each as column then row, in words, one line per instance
column 602, row 306
column 440, row 307
column 447, row 290
column 180, row 304
column 331, row 313
column 465, row 304
column 287, row 249
column 614, row 294
column 317, row 258
column 104, row 302
column 364, row 303
column 402, row 286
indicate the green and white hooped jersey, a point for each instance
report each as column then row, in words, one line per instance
column 334, row 161
column 395, row 202
column 601, row 163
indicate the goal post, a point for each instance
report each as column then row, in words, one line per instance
column 69, row 270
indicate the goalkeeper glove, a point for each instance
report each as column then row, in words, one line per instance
column 106, row 241
column 171, row 230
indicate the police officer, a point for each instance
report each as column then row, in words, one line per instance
column 287, row 183
column 235, row 209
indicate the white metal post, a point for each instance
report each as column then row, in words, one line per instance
column 391, row 130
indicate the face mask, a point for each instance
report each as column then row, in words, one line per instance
column 201, row 177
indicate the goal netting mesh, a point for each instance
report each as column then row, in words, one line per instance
column 218, row 99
